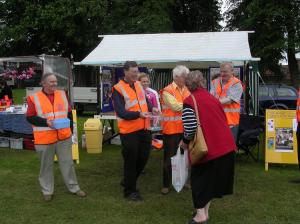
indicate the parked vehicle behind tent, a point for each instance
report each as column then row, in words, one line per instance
column 276, row 96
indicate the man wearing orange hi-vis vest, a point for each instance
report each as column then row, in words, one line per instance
column 172, row 97
column 43, row 107
column 228, row 89
column 297, row 181
column 132, row 107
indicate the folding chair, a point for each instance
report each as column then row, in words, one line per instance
column 248, row 136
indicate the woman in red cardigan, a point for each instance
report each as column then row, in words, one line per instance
column 213, row 176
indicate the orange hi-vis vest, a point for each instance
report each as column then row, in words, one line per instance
column 134, row 101
column 172, row 120
column 232, row 110
column 45, row 109
column 298, row 106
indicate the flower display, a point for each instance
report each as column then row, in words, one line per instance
column 24, row 74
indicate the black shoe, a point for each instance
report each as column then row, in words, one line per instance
column 135, row 196
column 122, row 183
column 296, row 181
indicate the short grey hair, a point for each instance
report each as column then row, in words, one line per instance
column 194, row 80
column 227, row 63
column 46, row 75
column 179, row 70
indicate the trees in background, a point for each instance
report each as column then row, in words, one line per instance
column 276, row 26
column 196, row 15
column 58, row 27
column 137, row 16
column 65, row 27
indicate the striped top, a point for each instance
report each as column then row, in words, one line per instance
column 189, row 122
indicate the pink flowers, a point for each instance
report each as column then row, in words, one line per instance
column 25, row 74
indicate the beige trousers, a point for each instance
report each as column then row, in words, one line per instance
column 63, row 150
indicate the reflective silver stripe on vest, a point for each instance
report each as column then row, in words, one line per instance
column 142, row 102
column 42, row 129
column 48, row 115
column 178, row 118
column 128, row 103
column 232, row 109
column 61, row 113
column 126, row 97
column 64, row 98
column 38, row 105
column 219, row 82
column 298, row 107
column 51, row 114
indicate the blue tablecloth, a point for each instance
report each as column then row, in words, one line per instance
column 15, row 123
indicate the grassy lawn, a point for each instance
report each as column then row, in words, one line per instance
column 18, row 95
column 260, row 197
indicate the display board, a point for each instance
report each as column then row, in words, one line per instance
column 75, row 151
column 280, row 137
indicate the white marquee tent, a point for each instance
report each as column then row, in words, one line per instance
column 165, row 50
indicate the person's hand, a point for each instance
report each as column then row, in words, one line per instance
column 143, row 114
column 155, row 111
column 183, row 145
column 49, row 123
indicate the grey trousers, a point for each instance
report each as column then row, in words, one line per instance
column 63, row 150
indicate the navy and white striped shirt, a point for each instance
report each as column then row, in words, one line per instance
column 189, row 121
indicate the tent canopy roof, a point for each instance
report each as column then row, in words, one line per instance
column 165, row 50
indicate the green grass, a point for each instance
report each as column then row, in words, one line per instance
column 18, row 95
column 260, row 197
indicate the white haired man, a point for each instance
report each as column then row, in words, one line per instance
column 228, row 89
column 172, row 97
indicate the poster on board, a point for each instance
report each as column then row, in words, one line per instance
column 280, row 137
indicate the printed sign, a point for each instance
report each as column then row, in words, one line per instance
column 281, row 140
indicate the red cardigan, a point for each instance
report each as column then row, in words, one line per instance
column 216, row 132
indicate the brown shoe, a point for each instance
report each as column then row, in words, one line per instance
column 165, row 190
column 48, row 197
column 81, row 194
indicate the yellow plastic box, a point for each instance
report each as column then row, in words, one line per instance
column 93, row 135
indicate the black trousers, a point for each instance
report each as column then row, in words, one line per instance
column 171, row 143
column 135, row 151
column 298, row 143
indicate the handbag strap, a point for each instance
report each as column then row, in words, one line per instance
column 196, row 109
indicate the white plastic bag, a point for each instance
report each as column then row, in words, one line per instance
column 180, row 169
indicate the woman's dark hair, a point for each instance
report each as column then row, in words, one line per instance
column 129, row 64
